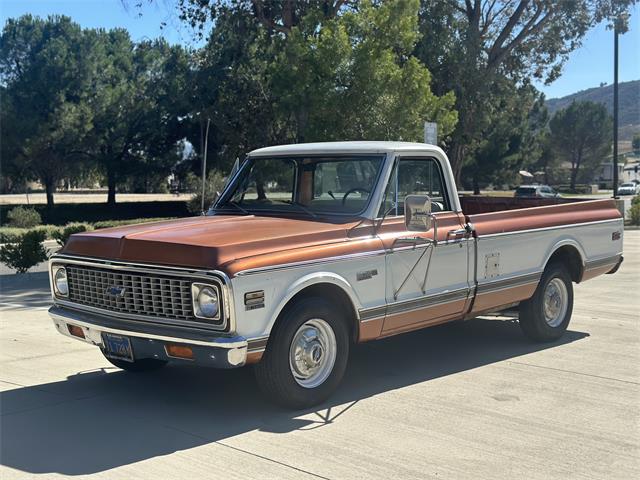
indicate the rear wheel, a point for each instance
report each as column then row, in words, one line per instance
column 306, row 356
column 141, row 365
column 545, row 316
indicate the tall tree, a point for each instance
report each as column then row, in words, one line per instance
column 138, row 106
column 350, row 76
column 581, row 134
column 46, row 67
column 470, row 44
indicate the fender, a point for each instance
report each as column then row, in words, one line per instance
column 564, row 242
column 311, row 279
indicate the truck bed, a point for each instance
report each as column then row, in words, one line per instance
column 474, row 204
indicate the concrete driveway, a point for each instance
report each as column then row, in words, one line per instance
column 466, row 400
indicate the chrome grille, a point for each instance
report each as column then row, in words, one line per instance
column 154, row 295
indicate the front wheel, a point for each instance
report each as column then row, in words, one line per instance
column 545, row 316
column 306, row 355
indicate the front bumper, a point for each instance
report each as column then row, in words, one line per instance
column 149, row 340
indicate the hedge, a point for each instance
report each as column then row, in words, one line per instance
column 65, row 213
column 52, row 232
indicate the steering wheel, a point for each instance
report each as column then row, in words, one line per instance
column 352, row 190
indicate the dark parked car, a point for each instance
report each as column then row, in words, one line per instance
column 536, row 191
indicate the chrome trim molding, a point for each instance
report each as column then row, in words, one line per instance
column 541, row 229
column 257, row 344
column 512, row 282
column 367, row 314
column 306, row 263
column 221, row 280
column 602, row 262
column 372, row 313
column 78, row 318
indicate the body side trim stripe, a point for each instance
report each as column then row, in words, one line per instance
column 602, row 262
column 542, row 229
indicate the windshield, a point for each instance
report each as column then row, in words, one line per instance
column 308, row 185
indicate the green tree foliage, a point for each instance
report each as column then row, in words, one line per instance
column 136, row 108
column 581, row 134
column 469, row 45
column 513, row 141
column 322, row 77
column 46, row 69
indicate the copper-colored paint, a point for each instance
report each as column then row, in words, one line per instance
column 370, row 329
column 233, row 243
column 490, row 300
column 594, row 272
column 254, row 357
column 545, row 216
column 424, row 317
column 394, row 228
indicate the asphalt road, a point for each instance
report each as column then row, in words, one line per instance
column 466, row 400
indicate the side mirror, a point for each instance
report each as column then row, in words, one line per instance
column 417, row 213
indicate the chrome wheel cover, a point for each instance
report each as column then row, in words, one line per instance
column 555, row 302
column 312, row 353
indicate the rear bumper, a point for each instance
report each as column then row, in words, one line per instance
column 149, row 341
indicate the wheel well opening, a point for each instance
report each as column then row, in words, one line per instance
column 569, row 256
column 334, row 294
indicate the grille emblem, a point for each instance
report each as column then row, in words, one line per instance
column 116, row 291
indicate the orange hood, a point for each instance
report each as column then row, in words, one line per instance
column 212, row 242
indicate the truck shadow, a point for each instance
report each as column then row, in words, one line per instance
column 99, row 420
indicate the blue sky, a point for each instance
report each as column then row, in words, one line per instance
column 587, row 67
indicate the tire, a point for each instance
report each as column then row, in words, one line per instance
column 548, row 325
column 307, row 323
column 142, row 365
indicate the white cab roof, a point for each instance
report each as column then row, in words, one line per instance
column 345, row 147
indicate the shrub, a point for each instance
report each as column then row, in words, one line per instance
column 11, row 234
column 27, row 252
column 23, row 217
column 133, row 221
column 62, row 235
column 634, row 211
column 215, row 184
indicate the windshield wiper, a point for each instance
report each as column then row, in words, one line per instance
column 301, row 207
column 237, row 207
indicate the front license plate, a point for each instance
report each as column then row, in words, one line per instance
column 117, row 346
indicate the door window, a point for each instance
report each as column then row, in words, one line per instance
column 415, row 176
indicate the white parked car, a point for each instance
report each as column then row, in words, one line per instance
column 629, row 189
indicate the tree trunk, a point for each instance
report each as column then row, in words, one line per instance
column 574, row 176
column 476, row 185
column 111, row 185
column 50, row 188
column 456, row 158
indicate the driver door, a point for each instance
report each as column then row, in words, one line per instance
column 425, row 284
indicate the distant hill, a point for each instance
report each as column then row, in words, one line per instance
column 629, row 103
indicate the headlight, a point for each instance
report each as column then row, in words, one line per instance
column 206, row 303
column 61, row 286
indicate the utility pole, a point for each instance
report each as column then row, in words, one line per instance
column 615, row 108
column 204, row 164
column 620, row 26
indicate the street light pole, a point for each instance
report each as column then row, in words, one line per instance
column 616, row 32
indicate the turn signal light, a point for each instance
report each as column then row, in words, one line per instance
column 179, row 351
column 76, row 331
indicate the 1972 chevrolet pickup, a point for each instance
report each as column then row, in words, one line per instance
column 311, row 248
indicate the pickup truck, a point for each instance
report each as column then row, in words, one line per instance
column 312, row 248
